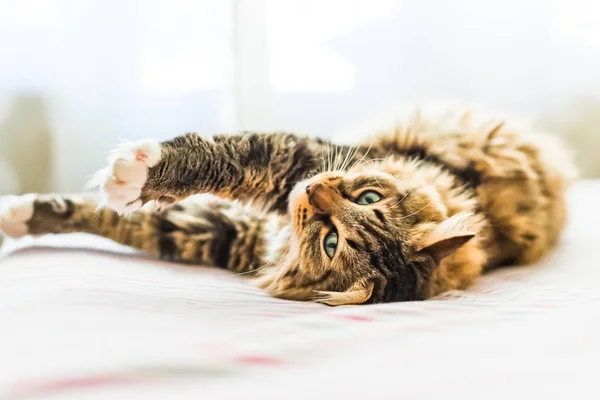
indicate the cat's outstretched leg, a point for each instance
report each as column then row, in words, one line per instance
column 217, row 234
column 260, row 168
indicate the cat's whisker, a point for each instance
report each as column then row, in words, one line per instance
column 340, row 158
column 253, row 271
column 313, row 173
column 401, row 200
column 333, row 153
column 337, row 158
column 329, row 158
column 358, row 162
column 416, row 212
column 322, row 167
column 366, row 162
column 349, row 155
column 257, row 270
column 345, row 159
column 97, row 212
column 352, row 154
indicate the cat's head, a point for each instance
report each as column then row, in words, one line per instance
column 364, row 236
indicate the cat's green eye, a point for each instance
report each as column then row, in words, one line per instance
column 330, row 243
column 368, row 197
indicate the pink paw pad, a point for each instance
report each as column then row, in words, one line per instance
column 122, row 181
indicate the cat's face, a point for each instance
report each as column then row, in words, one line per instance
column 347, row 244
column 362, row 237
column 351, row 232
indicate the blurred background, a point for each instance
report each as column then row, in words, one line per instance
column 76, row 76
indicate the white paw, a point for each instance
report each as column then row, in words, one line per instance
column 15, row 215
column 122, row 181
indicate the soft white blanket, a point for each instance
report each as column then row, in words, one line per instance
column 82, row 318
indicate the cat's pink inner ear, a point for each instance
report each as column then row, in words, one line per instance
column 446, row 247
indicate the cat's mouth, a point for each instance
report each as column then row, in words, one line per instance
column 311, row 197
column 303, row 212
column 315, row 200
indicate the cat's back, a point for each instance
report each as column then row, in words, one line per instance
column 493, row 143
column 519, row 174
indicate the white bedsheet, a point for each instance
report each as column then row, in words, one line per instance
column 77, row 323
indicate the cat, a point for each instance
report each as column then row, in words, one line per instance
column 406, row 214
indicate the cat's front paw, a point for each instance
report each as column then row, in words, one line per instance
column 123, row 180
column 14, row 217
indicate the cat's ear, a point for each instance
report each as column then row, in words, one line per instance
column 447, row 237
column 358, row 293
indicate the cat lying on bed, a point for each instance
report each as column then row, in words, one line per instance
column 409, row 213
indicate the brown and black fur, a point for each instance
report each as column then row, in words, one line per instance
column 460, row 194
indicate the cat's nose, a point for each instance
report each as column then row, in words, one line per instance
column 323, row 197
column 313, row 187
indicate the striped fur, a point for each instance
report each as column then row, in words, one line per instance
column 460, row 194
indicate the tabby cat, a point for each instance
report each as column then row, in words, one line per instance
column 406, row 214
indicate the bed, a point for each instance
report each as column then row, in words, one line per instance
column 83, row 318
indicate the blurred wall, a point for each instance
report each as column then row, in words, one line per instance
column 578, row 122
column 78, row 76
column 25, row 146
